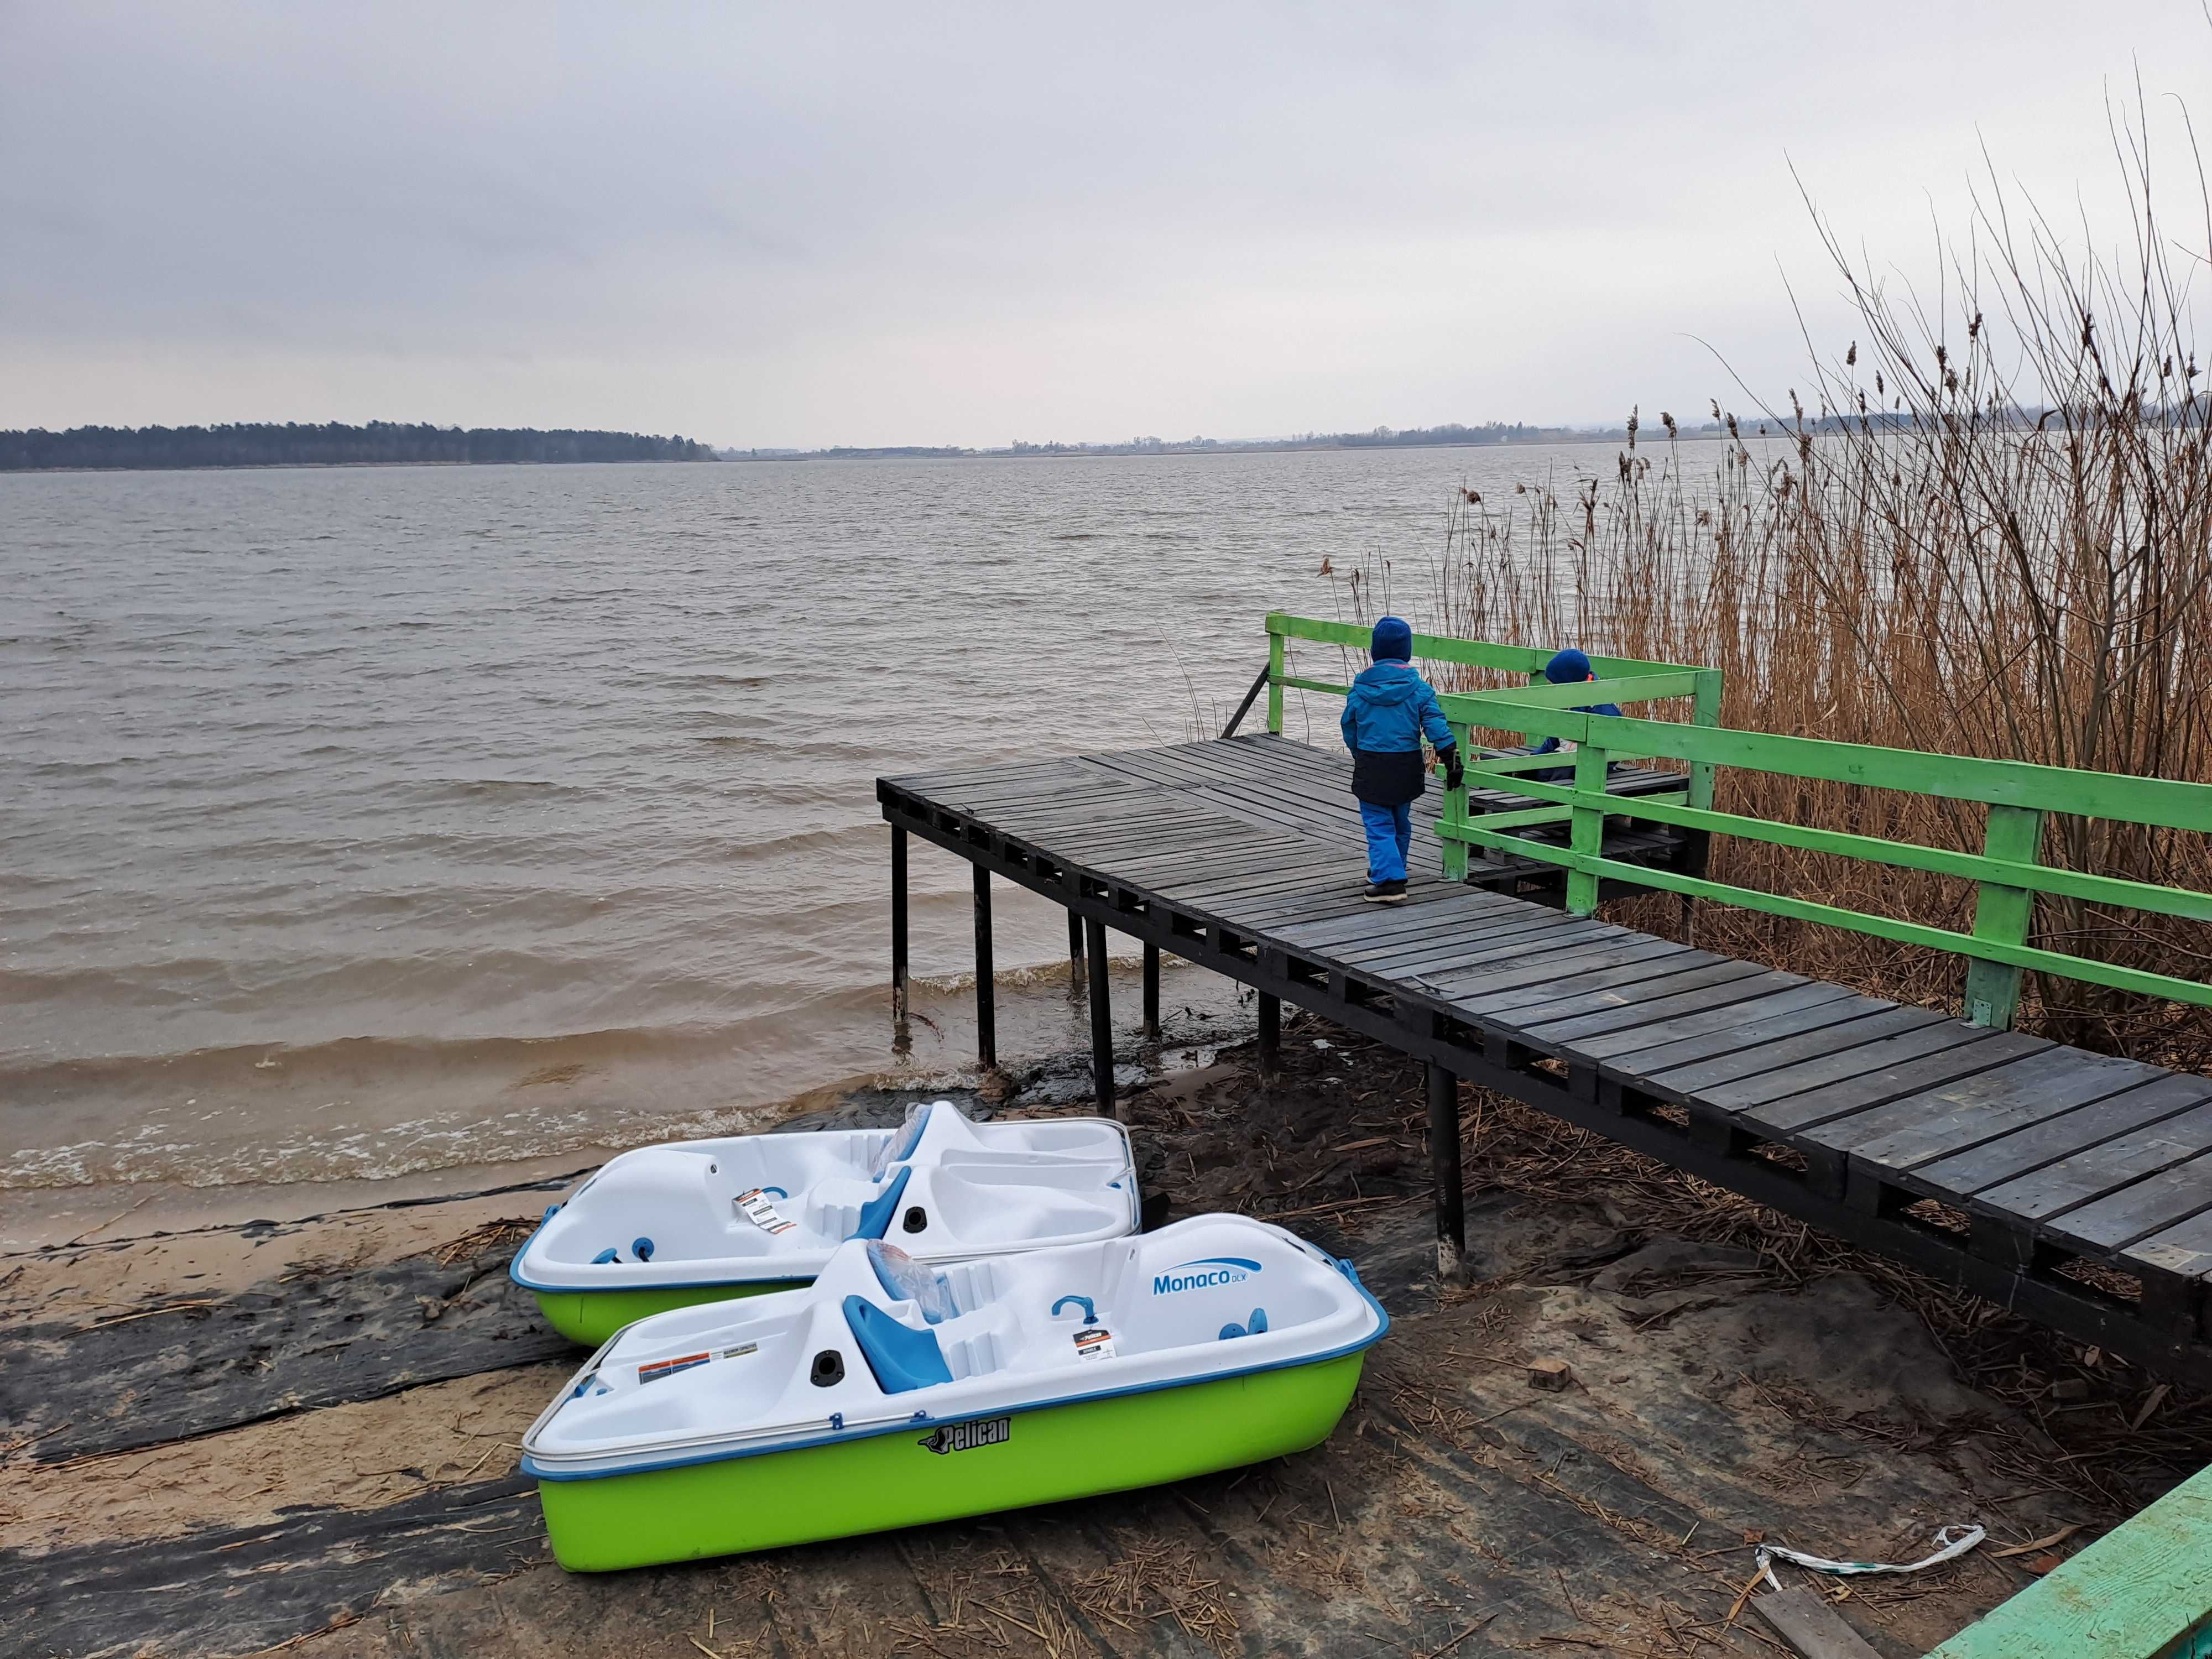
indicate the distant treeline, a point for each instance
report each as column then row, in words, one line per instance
column 379, row 443
column 1493, row 432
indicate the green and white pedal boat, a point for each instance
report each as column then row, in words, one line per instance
column 890, row 1393
column 697, row 1221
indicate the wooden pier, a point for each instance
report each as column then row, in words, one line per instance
column 2074, row 1187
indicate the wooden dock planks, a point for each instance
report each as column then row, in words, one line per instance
column 1246, row 856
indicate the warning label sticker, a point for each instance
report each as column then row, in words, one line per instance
column 1095, row 1343
column 661, row 1367
column 756, row 1207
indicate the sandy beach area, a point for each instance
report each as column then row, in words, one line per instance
column 297, row 1431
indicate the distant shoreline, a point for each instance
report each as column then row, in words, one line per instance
column 1114, row 451
column 740, row 457
column 322, row 466
column 267, row 447
column 331, row 443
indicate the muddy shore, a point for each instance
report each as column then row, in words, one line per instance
column 298, row 1435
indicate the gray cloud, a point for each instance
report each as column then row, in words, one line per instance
column 885, row 224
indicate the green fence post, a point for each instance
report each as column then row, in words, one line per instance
column 1586, row 831
column 2002, row 914
column 1454, row 813
column 1705, row 710
column 1274, row 678
column 1697, row 855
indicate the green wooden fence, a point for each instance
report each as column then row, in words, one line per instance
column 2007, row 872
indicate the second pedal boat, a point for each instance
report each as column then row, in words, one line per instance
column 699, row 1221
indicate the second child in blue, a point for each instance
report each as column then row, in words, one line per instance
column 1390, row 708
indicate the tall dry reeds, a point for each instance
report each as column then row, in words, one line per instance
column 1987, row 532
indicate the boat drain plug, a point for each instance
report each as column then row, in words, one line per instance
column 916, row 1218
column 828, row 1368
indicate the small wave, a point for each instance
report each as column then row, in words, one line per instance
column 373, row 1107
column 700, row 682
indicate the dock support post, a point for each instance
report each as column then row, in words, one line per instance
column 898, row 924
column 1443, row 1165
column 1271, row 1032
column 1074, row 953
column 1152, row 990
column 986, row 989
column 1102, row 1019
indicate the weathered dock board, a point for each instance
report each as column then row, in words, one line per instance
column 2074, row 1187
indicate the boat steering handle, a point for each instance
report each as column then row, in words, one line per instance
column 1089, row 1313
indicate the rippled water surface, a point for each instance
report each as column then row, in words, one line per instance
column 359, row 821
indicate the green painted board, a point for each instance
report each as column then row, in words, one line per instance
column 1443, row 647
column 917, row 1475
column 2010, row 783
column 2142, row 1591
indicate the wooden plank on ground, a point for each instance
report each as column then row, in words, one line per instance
column 1813, row 1629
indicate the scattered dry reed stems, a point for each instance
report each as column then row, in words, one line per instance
column 1989, row 534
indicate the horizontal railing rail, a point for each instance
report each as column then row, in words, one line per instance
column 2009, row 875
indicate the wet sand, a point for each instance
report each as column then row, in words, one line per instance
column 227, row 1437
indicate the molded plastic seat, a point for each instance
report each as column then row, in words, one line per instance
column 876, row 1215
column 902, row 1358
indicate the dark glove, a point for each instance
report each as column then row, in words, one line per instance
column 1454, row 773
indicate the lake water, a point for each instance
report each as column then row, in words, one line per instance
column 355, row 823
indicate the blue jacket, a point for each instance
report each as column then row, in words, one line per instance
column 1391, row 706
column 1552, row 743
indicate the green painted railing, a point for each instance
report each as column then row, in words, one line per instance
column 2008, row 874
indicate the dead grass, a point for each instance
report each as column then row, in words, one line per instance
column 493, row 1236
column 1984, row 529
column 1153, row 1581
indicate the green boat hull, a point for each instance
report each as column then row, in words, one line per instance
column 592, row 1317
column 874, row 1483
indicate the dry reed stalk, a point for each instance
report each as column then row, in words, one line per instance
column 1990, row 535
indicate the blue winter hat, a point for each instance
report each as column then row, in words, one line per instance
column 1392, row 641
column 1569, row 667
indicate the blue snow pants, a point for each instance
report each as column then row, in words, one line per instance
column 1389, row 838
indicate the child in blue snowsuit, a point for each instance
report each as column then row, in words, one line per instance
column 1389, row 708
column 1568, row 668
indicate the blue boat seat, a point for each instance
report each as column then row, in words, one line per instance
column 902, row 1358
column 876, row 1215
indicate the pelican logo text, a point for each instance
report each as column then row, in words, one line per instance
column 966, row 1436
column 1206, row 1271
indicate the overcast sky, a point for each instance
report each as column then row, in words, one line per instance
column 818, row 224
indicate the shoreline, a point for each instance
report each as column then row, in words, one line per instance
column 358, row 1112
column 319, row 1415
